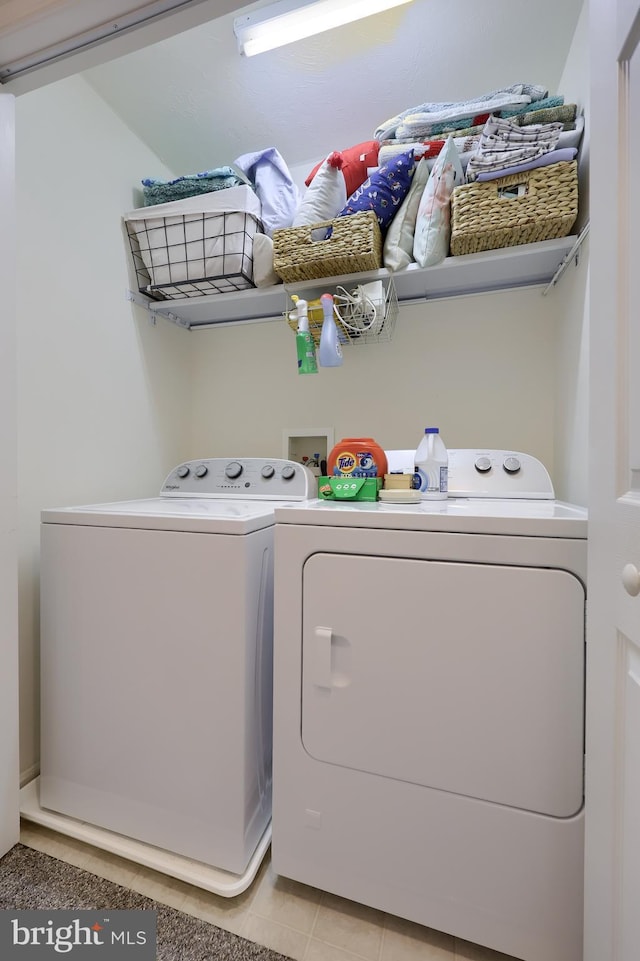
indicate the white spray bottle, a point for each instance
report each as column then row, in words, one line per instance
column 330, row 352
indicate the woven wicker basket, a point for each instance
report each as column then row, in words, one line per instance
column 355, row 244
column 488, row 215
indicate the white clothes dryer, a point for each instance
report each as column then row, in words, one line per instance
column 429, row 688
column 156, row 658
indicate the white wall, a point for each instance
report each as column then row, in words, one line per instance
column 572, row 382
column 572, row 333
column 9, row 822
column 481, row 368
column 103, row 398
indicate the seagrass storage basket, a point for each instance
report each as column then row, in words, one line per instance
column 523, row 208
column 306, row 253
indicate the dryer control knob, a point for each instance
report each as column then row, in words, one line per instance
column 288, row 472
column 512, row 465
column 268, row 471
column 183, row 471
column 201, row 470
column 233, row 470
column 483, row 464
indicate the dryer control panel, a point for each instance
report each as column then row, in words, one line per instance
column 485, row 472
column 245, row 478
column 498, row 473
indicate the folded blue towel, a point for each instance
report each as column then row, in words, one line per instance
column 165, row 191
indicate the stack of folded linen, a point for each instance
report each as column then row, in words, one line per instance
column 429, row 119
column 190, row 185
column 425, row 128
column 429, row 149
column 506, row 148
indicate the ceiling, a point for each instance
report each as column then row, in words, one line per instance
column 198, row 104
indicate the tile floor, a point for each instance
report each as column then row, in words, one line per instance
column 300, row 922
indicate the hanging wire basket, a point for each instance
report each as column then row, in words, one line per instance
column 364, row 314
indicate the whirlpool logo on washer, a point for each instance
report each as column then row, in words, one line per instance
column 82, row 934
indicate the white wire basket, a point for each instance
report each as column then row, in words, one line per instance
column 365, row 313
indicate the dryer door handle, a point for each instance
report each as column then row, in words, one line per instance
column 319, row 657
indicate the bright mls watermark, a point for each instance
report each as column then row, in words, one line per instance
column 102, row 935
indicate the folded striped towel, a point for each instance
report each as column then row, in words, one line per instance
column 504, row 143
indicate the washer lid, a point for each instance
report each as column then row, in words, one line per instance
column 171, row 514
column 532, row 518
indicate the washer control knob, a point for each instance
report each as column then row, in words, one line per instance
column 512, row 465
column 201, row 470
column 483, row 464
column 631, row 579
column 268, row 471
column 233, row 470
column 183, row 471
column 288, row 472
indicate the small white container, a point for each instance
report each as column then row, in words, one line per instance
column 432, row 466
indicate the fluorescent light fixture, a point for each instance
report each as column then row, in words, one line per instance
column 289, row 20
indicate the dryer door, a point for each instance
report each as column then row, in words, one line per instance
column 467, row 678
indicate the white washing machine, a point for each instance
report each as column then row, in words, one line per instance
column 156, row 661
column 429, row 688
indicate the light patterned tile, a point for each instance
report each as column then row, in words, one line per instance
column 278, row 937
column 29, row 833
column 466, row 951
column 350, row 926
column 321, row 951
column 280, row 899
column 111, row 867
column 227, row 913
column 406, row 941
column 264, row 870
column 56, row 845
column 160, row 887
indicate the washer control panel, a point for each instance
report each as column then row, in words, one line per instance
column 246, row 478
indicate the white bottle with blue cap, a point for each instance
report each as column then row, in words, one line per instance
column 330, row 351
column 431, row 466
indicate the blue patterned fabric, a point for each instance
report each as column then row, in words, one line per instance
column 384, row 191
column 165, row 191
column 545, row 104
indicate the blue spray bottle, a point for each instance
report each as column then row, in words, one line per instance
column 330, row 352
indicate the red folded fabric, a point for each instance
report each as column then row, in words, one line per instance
column 428, row 148
column 355, row 162
column 479, row 120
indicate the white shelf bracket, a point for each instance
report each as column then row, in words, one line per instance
column 572, row 255
column 151, row 306
column 141, row 301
